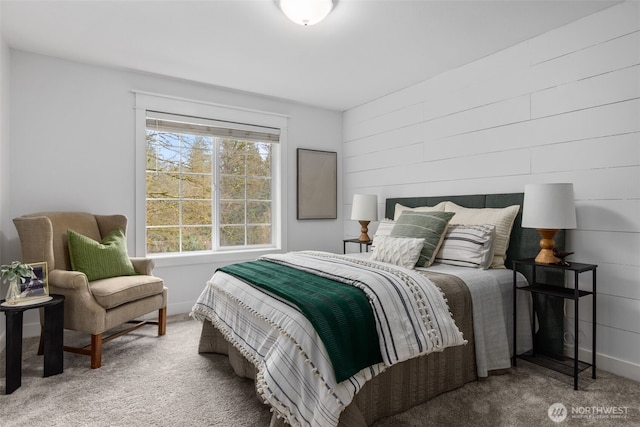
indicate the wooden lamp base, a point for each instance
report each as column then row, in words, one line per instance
column 546, row 256
column 364, row 229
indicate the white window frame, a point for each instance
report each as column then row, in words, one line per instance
column 144, row 102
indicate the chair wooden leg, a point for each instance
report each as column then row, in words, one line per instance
column 162, row 321
column 96, row 351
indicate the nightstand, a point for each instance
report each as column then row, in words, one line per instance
column 365, row 244
column 560, row 363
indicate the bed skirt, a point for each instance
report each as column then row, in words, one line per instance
column 400, row 387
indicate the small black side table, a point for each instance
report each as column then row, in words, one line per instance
column 566, row 365
column 366, row 244
column 53, row 339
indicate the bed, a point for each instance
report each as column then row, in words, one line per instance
column 379, row 390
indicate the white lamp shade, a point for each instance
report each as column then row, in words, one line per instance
column 365, row 207
column 549, row 206
column 306, row 12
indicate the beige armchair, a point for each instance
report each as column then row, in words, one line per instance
column 98, row 306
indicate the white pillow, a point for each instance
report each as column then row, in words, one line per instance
column 384, row 229
column 400, row 208
column 468, row 246
column 402, row 251
column 502, row 218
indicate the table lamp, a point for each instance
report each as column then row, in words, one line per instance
column 548, row 208
column 364, row 210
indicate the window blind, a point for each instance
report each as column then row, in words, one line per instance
column 205, row 127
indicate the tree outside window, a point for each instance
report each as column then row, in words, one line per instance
column 206, row 192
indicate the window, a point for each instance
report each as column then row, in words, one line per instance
column 209, row 185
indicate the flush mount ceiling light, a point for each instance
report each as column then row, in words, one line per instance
column 306, row 12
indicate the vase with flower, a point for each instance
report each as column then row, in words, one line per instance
column 11, row 274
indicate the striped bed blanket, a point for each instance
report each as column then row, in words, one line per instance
column 341, row 315
column 294, row 372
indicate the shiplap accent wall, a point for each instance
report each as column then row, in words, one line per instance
column 561, row 107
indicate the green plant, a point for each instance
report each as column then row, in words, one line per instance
column 15, row 270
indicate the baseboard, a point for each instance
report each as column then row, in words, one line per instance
column 180, row 307
column 607, row 363
column 27, row 331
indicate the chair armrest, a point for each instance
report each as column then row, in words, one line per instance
column 72, row 280
column 81, row 310
column 143, row 265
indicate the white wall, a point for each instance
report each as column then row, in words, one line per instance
column 562, row 107
column 72, row 148
column 4, row 139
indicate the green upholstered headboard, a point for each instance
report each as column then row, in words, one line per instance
column 524, row 242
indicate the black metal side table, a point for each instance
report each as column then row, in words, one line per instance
column 567, row 365
column 366, row 245
column 53, row 339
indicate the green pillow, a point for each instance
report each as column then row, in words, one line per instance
column 430, row 226
column 100, row 260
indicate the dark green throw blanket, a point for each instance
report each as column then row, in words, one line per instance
column 340, row 313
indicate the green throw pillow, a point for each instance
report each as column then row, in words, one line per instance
column 430, row 226
column 100, row 260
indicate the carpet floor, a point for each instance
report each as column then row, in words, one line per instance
column 162, row 381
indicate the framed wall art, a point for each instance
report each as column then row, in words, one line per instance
column 317, row 184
